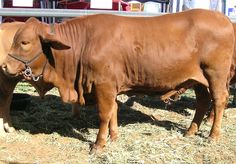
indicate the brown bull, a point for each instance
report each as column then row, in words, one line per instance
column 7, row 85
column 111, row 54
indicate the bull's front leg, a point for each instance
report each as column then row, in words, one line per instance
column 203, row 100
column 107, row 106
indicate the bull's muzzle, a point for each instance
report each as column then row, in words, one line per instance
column 7, row 71
column 27, row 71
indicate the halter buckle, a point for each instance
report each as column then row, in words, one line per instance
column 28, row 71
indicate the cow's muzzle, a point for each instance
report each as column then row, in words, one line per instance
column 5, row 70
column 27, row 73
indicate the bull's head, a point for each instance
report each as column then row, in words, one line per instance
column 27, row 55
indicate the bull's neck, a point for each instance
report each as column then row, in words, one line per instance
column 67, row 62
column 71, row 32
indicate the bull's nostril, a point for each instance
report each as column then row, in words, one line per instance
column 4, row 67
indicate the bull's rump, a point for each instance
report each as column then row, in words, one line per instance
column 159, row 52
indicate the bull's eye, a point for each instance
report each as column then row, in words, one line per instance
column 24, row 42
column 25, row 45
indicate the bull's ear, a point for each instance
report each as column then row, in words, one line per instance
column 53, row 42
column 32, row 19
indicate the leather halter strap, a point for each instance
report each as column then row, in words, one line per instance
column 25, row 61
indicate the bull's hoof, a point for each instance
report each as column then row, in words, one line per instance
column 211, row 140
column 113, row 136
column 8, row 128
column 208, row 121
column 213, row 137
column 96, row 150
column 189, row 133
column 192, row 130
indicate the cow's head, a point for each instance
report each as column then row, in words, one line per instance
column 28, row 53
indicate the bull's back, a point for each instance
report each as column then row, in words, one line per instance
column 166, row 49
column 163, row 36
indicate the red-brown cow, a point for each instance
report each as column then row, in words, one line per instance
column 7, row 85
column 112, row 54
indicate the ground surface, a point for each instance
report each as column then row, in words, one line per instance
column 148, row 133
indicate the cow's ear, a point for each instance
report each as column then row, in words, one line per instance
column 53, row 42
column 32, row 19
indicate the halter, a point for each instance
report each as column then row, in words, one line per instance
column 28, row 71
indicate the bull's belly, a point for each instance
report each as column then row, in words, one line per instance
column 162, row 80
column 154, row 86
column 144, row 90
column 151, row 89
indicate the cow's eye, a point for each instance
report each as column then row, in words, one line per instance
column 25, row 45
column 24, row 42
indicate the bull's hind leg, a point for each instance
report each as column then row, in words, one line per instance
column 203, row 100
column 113, row 126
column 106, row 99
column 218, row 80
column 220, row 96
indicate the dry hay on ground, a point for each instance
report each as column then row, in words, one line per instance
column 148, row 133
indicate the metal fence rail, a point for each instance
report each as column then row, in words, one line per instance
column 66, row 12
column 72, row 13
